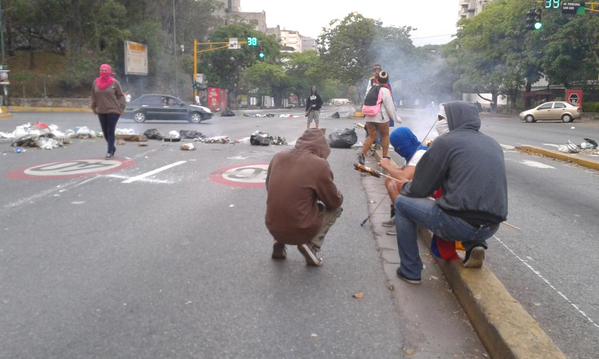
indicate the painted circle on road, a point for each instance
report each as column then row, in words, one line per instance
column 248, row 176
column 71, row 169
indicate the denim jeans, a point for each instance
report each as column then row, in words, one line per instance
column 411, row 212
column 108, row 123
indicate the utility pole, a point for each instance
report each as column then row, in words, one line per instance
column 2, row 33
column 175, row 50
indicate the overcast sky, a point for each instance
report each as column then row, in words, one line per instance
column 435, row 19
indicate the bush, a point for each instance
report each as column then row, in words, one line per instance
column 590, row 107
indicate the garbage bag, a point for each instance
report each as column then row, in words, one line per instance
column 228, row 113
column 153, row 134
column 279, row 141
column 343, row 138
column 190, row 134
column 259, row 138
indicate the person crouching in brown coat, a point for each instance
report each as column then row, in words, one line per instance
column 302, row 200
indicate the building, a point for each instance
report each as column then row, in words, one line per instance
column 471, row 8
column 230, row 6
column 292, row 41
column 308, row 44
column 231, row 13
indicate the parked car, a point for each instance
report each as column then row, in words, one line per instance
column 557, row 110
column 165, row 107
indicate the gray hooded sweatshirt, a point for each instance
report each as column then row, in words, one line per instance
column 468, row 166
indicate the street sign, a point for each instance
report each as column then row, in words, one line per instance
column 248, row 176
column 234, row 43
column 71, row 169
column 571, row 8
column 136, row 58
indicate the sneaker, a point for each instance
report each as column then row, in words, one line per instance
column 311, row 253
column 475, row 257
column 406, row 279
column 389, row 223
column 361, row 159
column 109, row 156
column 391, row 232
column 279, row 251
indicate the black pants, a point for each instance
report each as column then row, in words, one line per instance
column 108, row 122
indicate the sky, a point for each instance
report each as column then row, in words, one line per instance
column 435, row 20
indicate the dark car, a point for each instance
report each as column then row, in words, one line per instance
column 164, row 107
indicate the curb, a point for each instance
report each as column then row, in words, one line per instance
column 21, row 109
column 594, row 165
column 504, row 327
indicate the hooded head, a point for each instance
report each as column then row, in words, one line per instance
column 313, row 89
column 462, row 115
column 404, row 142
column 313, row 141
column 106, row 77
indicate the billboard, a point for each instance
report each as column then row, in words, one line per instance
column 136, row 58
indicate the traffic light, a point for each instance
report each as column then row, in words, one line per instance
column 538, row 25
column 530, row 20
column 261, row 55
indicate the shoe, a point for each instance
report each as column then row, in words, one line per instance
column 311, row 253
column 109, row 156
column 361, row 159
column 475, row 257
column 391, row 232
column 279, row 251
column 406, row 279
column 389, row 223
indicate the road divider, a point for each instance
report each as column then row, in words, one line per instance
column 572, row 158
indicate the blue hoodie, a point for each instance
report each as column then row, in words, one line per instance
column 405, row 143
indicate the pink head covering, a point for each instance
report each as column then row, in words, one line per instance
column 106, row 79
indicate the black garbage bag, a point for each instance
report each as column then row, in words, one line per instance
column 259, row 138
column 190, row 134
column 336, row 115
column 228, row 113
column 153, row 134
column 343, row 138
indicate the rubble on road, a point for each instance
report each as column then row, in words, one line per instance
column 187, row 147
column 228, row 113
column 259, row 115
column 345, row 138
column 260, row 138
column 153, row 134
column 190, row 134
column 215, row 139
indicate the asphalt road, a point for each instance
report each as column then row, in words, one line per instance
column 171, row 264
column 547, row 254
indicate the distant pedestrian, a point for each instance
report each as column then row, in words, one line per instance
column 302, row 200
column 378, row 109
column 313, row 106
column 108, row 102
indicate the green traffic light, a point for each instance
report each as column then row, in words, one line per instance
column 538, row 25
column 262, row 56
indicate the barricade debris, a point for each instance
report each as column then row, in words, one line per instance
column 589, row 144
column 260, row 138
column 190, row 134
column 173, row 136
column 153, row 134
column 228, row 113
column 288, row 115
column 187, row 147
column 345, row 138
column 215, row 139
column 259, row 115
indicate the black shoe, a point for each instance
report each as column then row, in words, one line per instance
column 361, row 159
column 475, row 257
column 311, row 253
column 408, row 280
column 279, row 251
column 109, row 156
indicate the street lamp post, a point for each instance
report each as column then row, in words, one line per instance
column 175, row 50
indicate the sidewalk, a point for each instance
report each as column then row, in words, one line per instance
column 584, row 159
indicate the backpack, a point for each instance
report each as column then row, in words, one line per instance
column 373, row 102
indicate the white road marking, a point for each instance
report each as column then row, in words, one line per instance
column 153, row 172
column 551, row 145
column 507, row 147
column 42, row 194
column 146, row 180
column 536, row 164
column 538, row 274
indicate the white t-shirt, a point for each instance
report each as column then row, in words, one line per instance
column 416, row 157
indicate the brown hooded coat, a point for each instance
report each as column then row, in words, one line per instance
column 296, row 180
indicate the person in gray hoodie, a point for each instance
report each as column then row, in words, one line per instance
column 470, row 168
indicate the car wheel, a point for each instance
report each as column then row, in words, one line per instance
column 529, row 119
column 567, row 118
column 195, row 117
column 139, row 117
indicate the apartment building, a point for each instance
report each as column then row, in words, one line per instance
column 471, row 8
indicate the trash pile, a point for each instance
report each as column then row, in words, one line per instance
column 45, row 136
column 260, row 138
column 345, row 138
column 588, row 146
column 259, row 115
column 223, row 140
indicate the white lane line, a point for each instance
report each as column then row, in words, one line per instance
column 551, row 145
column 42, row 194
column 153, row 172
column 538, row 274
column 536, row 164
column 146, row 180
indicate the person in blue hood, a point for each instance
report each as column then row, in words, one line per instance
column 469, row 167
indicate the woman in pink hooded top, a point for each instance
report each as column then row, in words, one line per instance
column 108, row 102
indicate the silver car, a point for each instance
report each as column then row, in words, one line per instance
column 557, row 110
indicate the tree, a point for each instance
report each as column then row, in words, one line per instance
column 268, row 79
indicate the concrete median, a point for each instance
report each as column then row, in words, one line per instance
column 572, row 158
column 504, row 327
